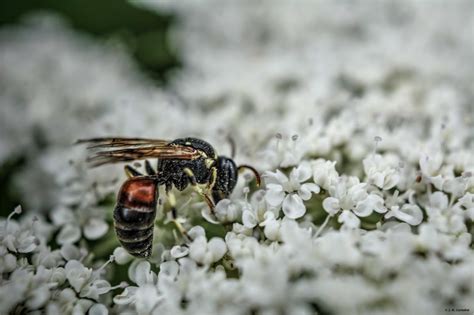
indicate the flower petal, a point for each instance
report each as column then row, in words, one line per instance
column 293, row 206
column 122, row 256
column 439, row 200
column 372, row 202
column 349, row 219
column 303, row 172
column 179, row 251
column 272, row 229
column 95, row 229
column 69, row 234
column 146, row 298
column 98, row 309
column 126, row 297
column 217, row 248
column 430, row 163
column 143, row 273
column 331, row 205
column 197, row 231
column 274, row 195
column 411, row 214
column 275, row 177
column 169, row 269
column 306, row 190
column 70, row 252
column 248, row 219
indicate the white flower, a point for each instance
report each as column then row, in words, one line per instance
column 98, row 309
column 331, row 205
column 14, row 292
column 140, row 272
column 77, row 274
column 69, row 234
column 85, row 281
column 179, row 251
column 254, row 213
column 430, row 163
column 196, row 231
column 71, row 252
column 44, row 256
column 72, row 222
column 169, row 269
column 81, row 306
column 122, row 256
column 350, row 194
column 349, row 219
column 408, row 213
column 95, row 288
column 284, row 152
column 373, row 202
column 227, row 210
column 445, row 217
column 240, row 245
column 272, row 227
column 382, row 170
column 38, row 297
column 18, row 238
column 95, row 228
column 467, row 201
column 146, row 299
column 70, row 231
column 205, row 252
column 8, row 262
column 290, row 192
column 324, row 173
column 126, row 297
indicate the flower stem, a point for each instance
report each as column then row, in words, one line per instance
column 326, row 221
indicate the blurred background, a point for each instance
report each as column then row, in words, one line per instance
column 139, row 33
column 76, row 69
column 142, row 32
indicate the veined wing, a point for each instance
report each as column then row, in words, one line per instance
column 120, row 142
column 116, row 150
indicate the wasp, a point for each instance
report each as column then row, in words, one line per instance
column 181, row 163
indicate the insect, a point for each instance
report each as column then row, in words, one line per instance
column 181, row 163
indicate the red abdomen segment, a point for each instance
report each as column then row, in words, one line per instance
column 135, row 213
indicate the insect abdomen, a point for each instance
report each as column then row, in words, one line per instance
column 134, row 215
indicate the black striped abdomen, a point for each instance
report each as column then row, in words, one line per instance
column 135, row 213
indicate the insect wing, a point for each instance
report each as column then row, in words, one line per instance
column 116, row 150
column 96, row 143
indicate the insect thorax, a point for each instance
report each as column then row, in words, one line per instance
column 197, row 144
column 174, row 170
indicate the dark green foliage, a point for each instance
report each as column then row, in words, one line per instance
column 10, row 197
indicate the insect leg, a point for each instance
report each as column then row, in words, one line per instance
column 149, row 169
column 158, row 165
column 213, row 178
column 174, row 214
column 199, row 190
column 131, row 172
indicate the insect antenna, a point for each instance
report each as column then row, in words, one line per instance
column 232, row 146
column 254, row 171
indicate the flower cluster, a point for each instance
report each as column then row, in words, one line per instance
column 367, row 200
column 38, row 278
